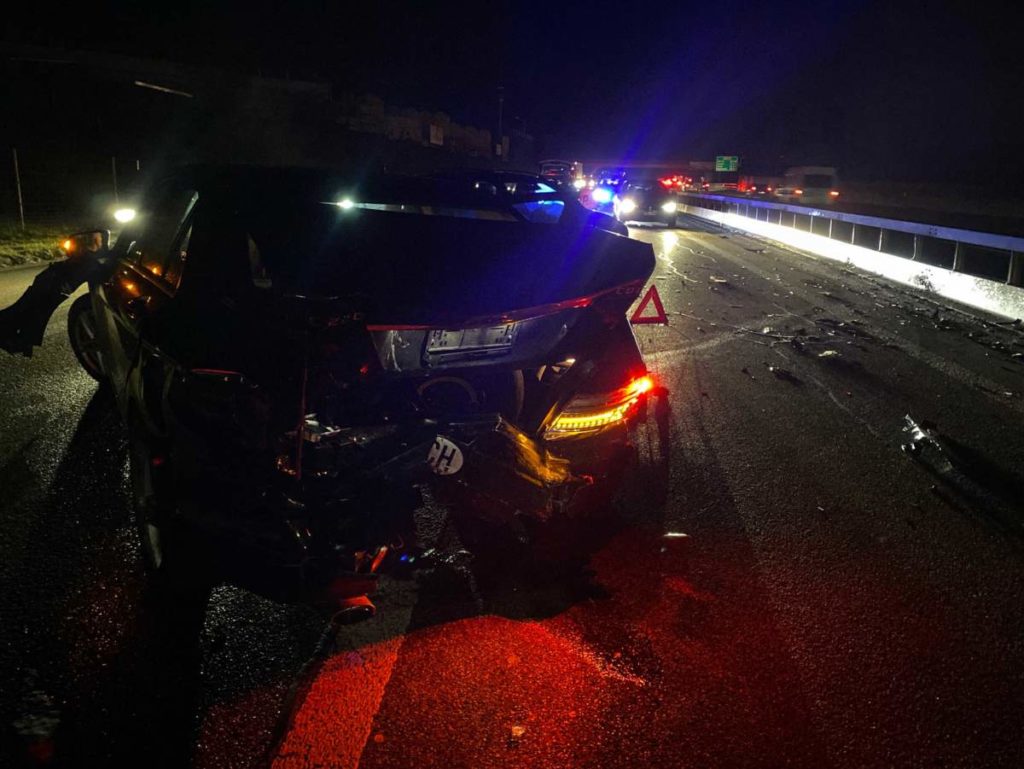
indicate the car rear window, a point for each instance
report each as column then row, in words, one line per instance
column 284, row 237
column 818, row 180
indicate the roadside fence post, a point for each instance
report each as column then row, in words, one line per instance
column 17, row 185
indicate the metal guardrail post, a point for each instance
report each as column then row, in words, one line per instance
column 881, row 237
column 853, row 233
column 1015, row 275
column 830, row 228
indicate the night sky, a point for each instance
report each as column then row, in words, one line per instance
column 882, row 90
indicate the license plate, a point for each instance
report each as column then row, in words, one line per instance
column 490, row 338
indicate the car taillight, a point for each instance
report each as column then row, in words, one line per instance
column 590, row 413
column 834, row 193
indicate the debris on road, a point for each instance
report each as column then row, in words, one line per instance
column 673, row 542
column 830, row 354
column 922, row 435
column 783, row 374
column 972, row 480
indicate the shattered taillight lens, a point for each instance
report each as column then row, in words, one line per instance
column 590, row 413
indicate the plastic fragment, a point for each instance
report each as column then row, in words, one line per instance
column 921, row 436
column 781, row 373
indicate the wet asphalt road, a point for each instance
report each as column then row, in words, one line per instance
column 837, row 602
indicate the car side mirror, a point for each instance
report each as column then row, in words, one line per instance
column 86, row 243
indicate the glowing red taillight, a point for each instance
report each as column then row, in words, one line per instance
column 586, row 414
column 641, row 385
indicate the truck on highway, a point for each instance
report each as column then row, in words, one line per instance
column 814, row 185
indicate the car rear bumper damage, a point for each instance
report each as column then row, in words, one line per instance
column 325, row 535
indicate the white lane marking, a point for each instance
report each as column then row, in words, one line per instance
column 666, row 357
column 363, row 661
column 670, row 265
column 334, row 721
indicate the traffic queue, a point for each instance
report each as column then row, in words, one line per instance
column 652, row 193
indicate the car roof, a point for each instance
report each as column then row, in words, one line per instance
column 334, row 184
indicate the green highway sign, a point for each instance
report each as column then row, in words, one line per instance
column 727, row 163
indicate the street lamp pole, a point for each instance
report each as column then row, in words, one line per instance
column 501, row 109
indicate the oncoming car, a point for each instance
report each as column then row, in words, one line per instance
column 646, row 199
column 295, row 356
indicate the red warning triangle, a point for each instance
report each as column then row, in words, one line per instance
column 651, row 296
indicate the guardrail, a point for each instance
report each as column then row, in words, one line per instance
column 979, row 254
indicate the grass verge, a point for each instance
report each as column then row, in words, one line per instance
column 29, row 246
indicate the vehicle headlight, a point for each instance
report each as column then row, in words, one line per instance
column 579, row 184
column 601, row 195
column 124, row 215
column 669, row 207
column 627, row 205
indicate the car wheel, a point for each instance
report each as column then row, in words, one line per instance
column 82, row 331
column 176, row 564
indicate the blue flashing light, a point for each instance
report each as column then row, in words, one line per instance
column 601, row 195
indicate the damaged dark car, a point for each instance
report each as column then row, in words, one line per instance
column 296, row 356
